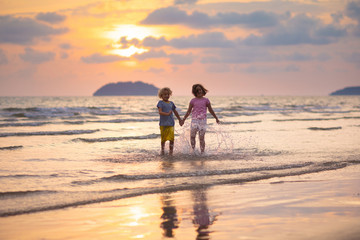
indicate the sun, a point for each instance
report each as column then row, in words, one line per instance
column 130, row 32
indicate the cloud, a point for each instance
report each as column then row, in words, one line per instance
column 249, row 54
column 300, row 29
column 177, row 59
column 257, row 19
column 292, row 68
column 3, row 58
column 173, row 15
column 50, row 17
column 353, row 57
column 155, row 42
column 337, row 17
column 299, row 57
column 218, row 68
column 259, row 69
column 353, row 11
column 170, row 15
column 323, row 57
column 65, row 46
column 19, row 30
column 64, row 55
column 240, row 55
column 204, row 40
column 99, row 58
column 156, row 70
column 151, row 54
column 330, row 31
column 126, row 43
column 303, row 57
column 180, row 2
column 36, row 57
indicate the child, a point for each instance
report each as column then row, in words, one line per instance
column 198, row 107
column 166, row 108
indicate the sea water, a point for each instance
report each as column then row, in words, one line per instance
column 59, row 152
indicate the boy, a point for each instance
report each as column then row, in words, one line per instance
column 166, row 108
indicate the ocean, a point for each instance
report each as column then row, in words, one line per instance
column 63, row 152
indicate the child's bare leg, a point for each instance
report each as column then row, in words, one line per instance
column 202, row 140
column 171, row 148
column 162, row 148
column 192, row 137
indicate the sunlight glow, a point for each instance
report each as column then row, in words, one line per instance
column 129, row 32
column 138, row 213
column 139, row 236
column 127, row 52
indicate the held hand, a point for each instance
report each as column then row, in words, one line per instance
column 218, row 121
column 181, row 122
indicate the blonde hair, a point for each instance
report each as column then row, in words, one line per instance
column 161, row 91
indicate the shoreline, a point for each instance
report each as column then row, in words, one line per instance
column 322, row 205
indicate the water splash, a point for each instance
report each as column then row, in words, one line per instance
column 217, row 138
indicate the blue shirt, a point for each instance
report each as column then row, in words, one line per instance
column 166, row 107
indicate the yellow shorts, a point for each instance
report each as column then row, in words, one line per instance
column 167, row 133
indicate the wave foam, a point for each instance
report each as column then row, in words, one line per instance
column 11, row 147
column 82, row 198
column 324, row 129
column 48, row 133
column 113, row 139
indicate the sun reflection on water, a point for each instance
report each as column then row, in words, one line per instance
column 137, row 215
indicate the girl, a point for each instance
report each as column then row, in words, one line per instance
column 197, row 108
column 166, row 108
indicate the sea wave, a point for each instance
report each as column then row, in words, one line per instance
column 24, row 124
column 12, row 195
column 324, row 128
column 314, row 119
column 290, row 169
column 204, row 172
column 305, row 119
column 126, row 120
column 11, row 147
column 268, row 107
column 113, row 139
column 58, row 112
column 48, row 133
column 76, row 122
column 240, row 122
column 34, row 109
column 29, row 176
column 79, row 198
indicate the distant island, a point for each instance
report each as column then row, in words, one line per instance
column 347, row 91
column 127, row 89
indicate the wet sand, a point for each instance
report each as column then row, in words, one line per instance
column 313, row 206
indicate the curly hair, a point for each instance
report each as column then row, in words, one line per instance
column 161, row 91
column 202, row 88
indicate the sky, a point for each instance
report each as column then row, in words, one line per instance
column 245, row 48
